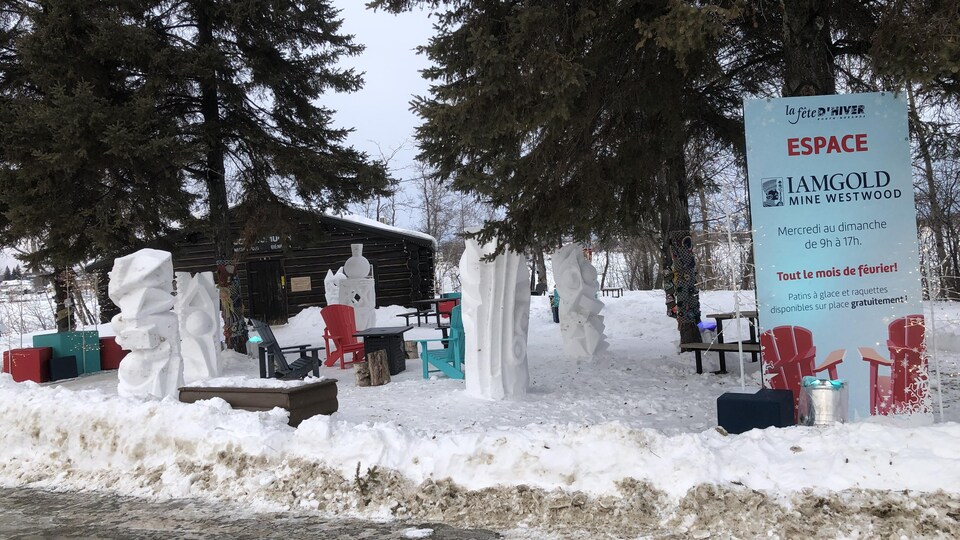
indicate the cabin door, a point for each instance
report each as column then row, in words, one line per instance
column 266, row 282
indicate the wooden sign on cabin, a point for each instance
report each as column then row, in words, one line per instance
column 300, row 284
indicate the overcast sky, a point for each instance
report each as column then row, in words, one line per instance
column 380, row 112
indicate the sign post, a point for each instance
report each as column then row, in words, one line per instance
column 835, row 242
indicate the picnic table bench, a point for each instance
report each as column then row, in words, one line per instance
column 616, row 292
column 721, row 348
column 425, row 315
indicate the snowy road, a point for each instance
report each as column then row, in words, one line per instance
column 29, row 513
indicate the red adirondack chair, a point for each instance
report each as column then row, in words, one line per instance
column 898, row 392
column 340, row 329
column 789, row 355
column 445, row 307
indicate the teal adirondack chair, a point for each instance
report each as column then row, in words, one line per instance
column 448, row 360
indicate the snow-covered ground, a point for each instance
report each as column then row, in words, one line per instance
column 620, row 447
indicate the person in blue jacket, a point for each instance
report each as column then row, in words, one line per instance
column 555, row 304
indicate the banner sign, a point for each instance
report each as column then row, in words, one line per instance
column 835, row 245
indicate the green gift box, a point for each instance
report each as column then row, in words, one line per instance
column 84, row 345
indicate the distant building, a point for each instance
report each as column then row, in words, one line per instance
column 17, row 286
column 284, row 262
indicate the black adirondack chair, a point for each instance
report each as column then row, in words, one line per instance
column 274, row 364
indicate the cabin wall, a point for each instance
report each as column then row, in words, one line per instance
column 403, row 269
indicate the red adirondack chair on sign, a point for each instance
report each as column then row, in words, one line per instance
column 341, row 327
column 789, row 355
column 898, row 392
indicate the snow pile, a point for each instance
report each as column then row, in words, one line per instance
column 630, row 433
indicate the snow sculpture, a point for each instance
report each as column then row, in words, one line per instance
column 496, row 315
column 331, row 286
column 198, row 308
column 357, row 289
column 141, row 285
column 581, row 324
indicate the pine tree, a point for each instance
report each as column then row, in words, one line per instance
column 133, row 106
column 6, row 274
column 916, row 44
column 904, row 55
column 573, row 116
column 90, row 163
column 17, row 272
column 248, row 74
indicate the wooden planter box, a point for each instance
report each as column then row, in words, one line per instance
column 302, row 401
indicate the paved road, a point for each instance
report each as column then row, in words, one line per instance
column 29, row 513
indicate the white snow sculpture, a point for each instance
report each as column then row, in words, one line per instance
column 331, row 286
column 198, row 309
column 496, row 315
column 357, row 289
column 581, row 324
column 141, row 285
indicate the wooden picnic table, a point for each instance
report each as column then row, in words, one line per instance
column 751, row 317
column 616, row 292
column 748, row 346
column 424, row 306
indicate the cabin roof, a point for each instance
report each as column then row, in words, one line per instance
column 346, row 222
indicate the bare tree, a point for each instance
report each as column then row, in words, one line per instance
column 445, row 214
column 384, row 208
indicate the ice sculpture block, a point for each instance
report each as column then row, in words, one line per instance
column 581, row 324
column 496, row 316
column 357, row 289
column 331, row 286
column 141, row 285
column 198, row 309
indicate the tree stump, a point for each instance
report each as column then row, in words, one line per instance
column 379, row 368
column 411, row 349
column 362, row 371
column 374, row 371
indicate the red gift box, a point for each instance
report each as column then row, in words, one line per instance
column 30, row 364
column 110, row 353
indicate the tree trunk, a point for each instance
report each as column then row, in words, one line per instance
column 679, row 260
column 808, row 62
column 954, row 252
column 231, row 302
column 606, row 266
column 61, row 294
column 747, row 269
column 80, row 306
column 706, row 263
column 541, row 271
column 948, row 283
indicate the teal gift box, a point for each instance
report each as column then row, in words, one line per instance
column 84, row 345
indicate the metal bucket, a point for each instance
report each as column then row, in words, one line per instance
column 822, row 402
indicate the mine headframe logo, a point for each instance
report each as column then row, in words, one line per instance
column 772, row 191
